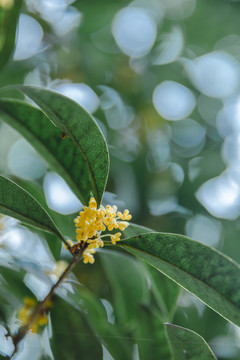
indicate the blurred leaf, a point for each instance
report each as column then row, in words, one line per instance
column 61, row 154
column 14, row 280
column 203, row 271
column 128, row 284
column 64, row 223
column 112, row 337
column 18, row 203
column 72, row 335
column 186, row 344
column 12, row 290
column 8, row 25
column 54, row 246
column 77, row 123
column 164, row 290
column 150, row 335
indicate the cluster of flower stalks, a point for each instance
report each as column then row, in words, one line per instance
column 92, row 221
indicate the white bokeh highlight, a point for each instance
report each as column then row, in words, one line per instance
column 79, row 92
column 221, row 197
column 24, row 162
column 7, row 347
column 59, row 196
column 188, row 133
column 170, row 47
column 215, row 74
column 118, row 115
column 173, row 101
column 204, row 229
column 134, row 30
column 29, row 38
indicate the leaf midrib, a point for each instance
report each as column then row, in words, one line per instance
column 75, row 141
column 43, row 145
column 194, row 277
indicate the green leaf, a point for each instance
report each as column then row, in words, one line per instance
column 188, row 345
column 65, row 223
column 77, row 123
column 72, row 335
column 54, row 246
column 150, row 335
column 8, row 24
column 112, row 337
column 61, row 154
column 18, row 203
column 164, row 290
column 134, row 229
column 127, row 291
column 205, row 272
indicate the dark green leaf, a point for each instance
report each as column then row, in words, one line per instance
column 61, row 154
column 203, row 271
column 65, row 223
column 72, row 335
column 18, row 203
column 54, row 246
column 188, row 345
column 8, row 24
column 164, row 290
column 77, row 123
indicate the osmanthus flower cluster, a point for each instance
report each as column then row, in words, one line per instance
column 25, row 312
column 90, row 224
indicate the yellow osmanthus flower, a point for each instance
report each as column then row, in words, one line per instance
column 88, row 256
column 92, row 221
column 25, row 312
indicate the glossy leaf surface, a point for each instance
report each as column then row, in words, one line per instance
column 61, row 154
column 18, row 203
column 205, row 272
column 188, row 345
column 78, row 124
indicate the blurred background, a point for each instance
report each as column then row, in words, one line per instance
column 162, row 80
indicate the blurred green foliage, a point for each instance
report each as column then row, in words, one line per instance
column 157, row 166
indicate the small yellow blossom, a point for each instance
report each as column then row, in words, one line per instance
column 125, row 215
column 92, row 221
column 88, row 256
column 26, row 311
column 96, row 243
column 115, row 238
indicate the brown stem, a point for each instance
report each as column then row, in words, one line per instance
column 42, row 305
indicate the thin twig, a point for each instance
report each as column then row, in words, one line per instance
column 42, row 305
